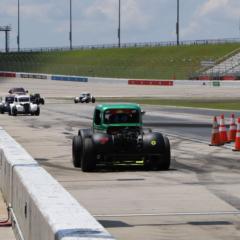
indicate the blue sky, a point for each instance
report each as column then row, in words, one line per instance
column 46, row 22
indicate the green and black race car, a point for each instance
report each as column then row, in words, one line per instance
column 117, row 135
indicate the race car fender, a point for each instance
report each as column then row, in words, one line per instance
column 19, row 108
column 33, row 107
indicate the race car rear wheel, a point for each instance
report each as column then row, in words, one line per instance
column 14, row 111
column 160, row 159
column 93, row 100
column 165, row 161
column 77, row 151
column 37, row 113
column 88, row 156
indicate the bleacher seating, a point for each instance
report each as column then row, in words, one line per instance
column 228, row 67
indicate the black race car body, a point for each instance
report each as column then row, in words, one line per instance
column 5, row 104
column 18, row 91
column 37, row 99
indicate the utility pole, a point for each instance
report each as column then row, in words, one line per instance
column 6, row 29
column 70, row 33
column 177, row 24
column 119, row 23
column 18, row 36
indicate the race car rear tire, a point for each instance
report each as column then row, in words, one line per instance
column 37, row 113
column 2, row 110
column 77, row 151
column 161, row 160
column 14, row 111
column 93, row 100
column 88, row 156
column 165, row 162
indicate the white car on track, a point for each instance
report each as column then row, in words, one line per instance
column 85, row 98
column 23, row 105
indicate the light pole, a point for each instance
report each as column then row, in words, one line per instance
column 119, row 23
column 70, row 33
column 177, row 24
column 18, row 35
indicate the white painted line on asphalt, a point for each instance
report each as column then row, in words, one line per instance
column 227, row 145
column 170, row 214
column 185, row 116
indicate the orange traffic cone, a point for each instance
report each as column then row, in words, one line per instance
column 232, row 129
column 215, row 139
column 237, row 141
column 223, row 130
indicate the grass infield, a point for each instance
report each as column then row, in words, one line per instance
column 211, row 104
column 216, row 104
column 171, row 62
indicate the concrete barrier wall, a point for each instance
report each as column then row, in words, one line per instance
column 69, row 78
column 43, row 208
column 120, row 81
column 97, row 80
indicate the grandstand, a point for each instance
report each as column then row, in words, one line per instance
column 226, row 69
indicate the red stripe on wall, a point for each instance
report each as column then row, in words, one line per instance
column 151, row 82
column 7, row 74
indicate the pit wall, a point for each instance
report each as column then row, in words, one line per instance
column 43, row 209
column 120, row 81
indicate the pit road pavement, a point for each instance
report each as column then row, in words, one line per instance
column 199, row 198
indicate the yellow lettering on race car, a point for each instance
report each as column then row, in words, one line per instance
column 153, row 142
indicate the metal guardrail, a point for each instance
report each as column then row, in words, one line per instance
column 131, row 45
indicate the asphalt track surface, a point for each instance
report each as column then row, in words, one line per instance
column 198, row 198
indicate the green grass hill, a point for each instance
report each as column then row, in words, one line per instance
column 169, row 62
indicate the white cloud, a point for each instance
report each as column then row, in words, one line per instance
column 191, row 29
column 96, row 21
column 133, row 14
column 36, row 11
column 106, row 8
column 212, row 6
column 8, row 9
column 211, row 17
column 223, row 8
